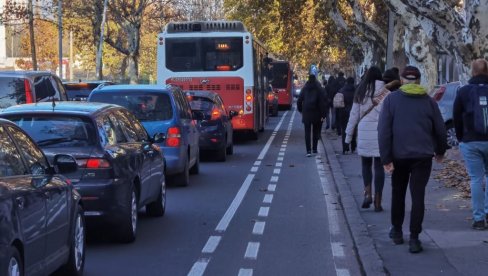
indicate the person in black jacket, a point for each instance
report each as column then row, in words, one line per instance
column 411, row 132
column 473, row 145
column 343, row 113
column 312, row 104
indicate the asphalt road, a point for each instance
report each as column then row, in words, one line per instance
column 268, row 210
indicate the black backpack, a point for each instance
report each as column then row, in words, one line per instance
column 479, row 107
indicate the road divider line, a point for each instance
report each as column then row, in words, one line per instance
column 268, row 198
column 342, row 272
column 263, row 212
column 270, row 140
column 337, row 249
column 274, row 178
column 280, row 158
column 245, row 272
column 272, row 187
column 254, row 169
column 257, row 163
column 279, row 164
column 199, row 267
column 211, row 244
column 252, row 250
column 258, row 228
column 276, row 171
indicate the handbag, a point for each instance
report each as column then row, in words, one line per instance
column 376, row 101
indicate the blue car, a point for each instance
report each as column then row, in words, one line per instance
column 161, row 110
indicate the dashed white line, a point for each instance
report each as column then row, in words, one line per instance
column 281, row 153
column 272, row 187
column 274, row 178
column 258, row 228
column 268, row 198
column 257, row 163
column 199, row 267
column 263, row 212
column 211, row 244
column 254, row 169
column 276, row 171
column 245, row 272
column 252, row 250
column 279, row 164
column 337, row 249
column 342, row 272
column 270, row 140
column 280, row 158
column 282, row 149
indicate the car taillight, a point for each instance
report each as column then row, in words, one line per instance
column 173, row 139
column 270, row 97
column 215, row 114
column 28, row 91
column 93, row 163
column 438, row 95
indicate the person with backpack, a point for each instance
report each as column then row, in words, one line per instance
column 339, row 83
column 411, row 132
column 343, row 102
column 312, row 104
column 470, row 115
column 364, row 114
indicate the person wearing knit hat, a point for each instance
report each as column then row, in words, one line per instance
column 410, row 132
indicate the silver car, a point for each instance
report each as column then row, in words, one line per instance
column 445, row 95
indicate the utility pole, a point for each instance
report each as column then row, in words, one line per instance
column 32, row 39
column 100, row 44
column 60, row 37
column 391, row 33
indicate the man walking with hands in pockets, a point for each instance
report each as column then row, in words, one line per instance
column 411, row 132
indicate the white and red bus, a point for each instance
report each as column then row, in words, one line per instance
column 219, row 56
column 282, row 83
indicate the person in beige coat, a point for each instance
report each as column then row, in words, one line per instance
column 364, row 114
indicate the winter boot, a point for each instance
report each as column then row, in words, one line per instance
column 377, row 202
column 368, row 199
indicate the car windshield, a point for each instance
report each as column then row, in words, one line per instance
column 201, row 104
column 12, row 91
column 57, row 130
column 146, row 107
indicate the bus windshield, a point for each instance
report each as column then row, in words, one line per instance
column 204, row 54
column 280, row 75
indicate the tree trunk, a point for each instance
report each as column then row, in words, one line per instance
column 31, row 35
column 133, row 69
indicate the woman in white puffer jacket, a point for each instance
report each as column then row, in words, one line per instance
column 364, row 114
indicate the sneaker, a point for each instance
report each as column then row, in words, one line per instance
column 415, row 246
column 396, row 235
column 309, row 154
column 479, row 225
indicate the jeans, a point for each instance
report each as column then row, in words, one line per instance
column 313, row 128
column 379, row 173
column 476, row 159
column 418, row 172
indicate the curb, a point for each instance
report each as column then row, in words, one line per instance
column 368, row 256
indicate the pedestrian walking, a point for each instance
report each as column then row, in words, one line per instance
column 339, row 83
column 311, row 103
column 343, row 102
column 411, row 132
column 471, row 122
column 364, row 114
column 331, row 91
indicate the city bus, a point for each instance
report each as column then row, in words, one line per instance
column 282, row 83
column 218, row 56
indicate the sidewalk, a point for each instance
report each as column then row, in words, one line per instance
column 451, row 247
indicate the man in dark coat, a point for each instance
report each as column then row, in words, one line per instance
column 411, row 132
column 312, row 104
column 343, row 113
column 473, row 144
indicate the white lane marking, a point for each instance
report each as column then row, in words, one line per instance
column 231, row 211
column 257, row 163
column 211, row 244
column 276, row 171
column 268, row 198
column 285, row 142
column 263, row 212
column 252, row 250
column 280, row 158
column 245, row 272
column 254, row 169
column 270, row 140
column 283, row 146
column 279, row 164
column 272, row 187
column 281, row 153
column 258, row 228
column 274, row 178
column 342, row 272
column 282, row 149
column 337, row 249
column 199, row 267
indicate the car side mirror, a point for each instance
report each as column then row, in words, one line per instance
column 65, row 163
column 197, row 115
column 158, row 137
column 233, row 113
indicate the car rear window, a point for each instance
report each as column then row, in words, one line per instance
column 12, row 91
column 57, row 130
column 147, row 107
column 201, row 104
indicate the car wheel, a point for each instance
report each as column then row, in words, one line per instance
column 15, row 266
column 183, row 178
column 158, row 207
column 452, row 140
column 196, row 167
column 128, row 226
column 230, row 149
column 222, row 154
column 76, row 261
column 253, row 135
